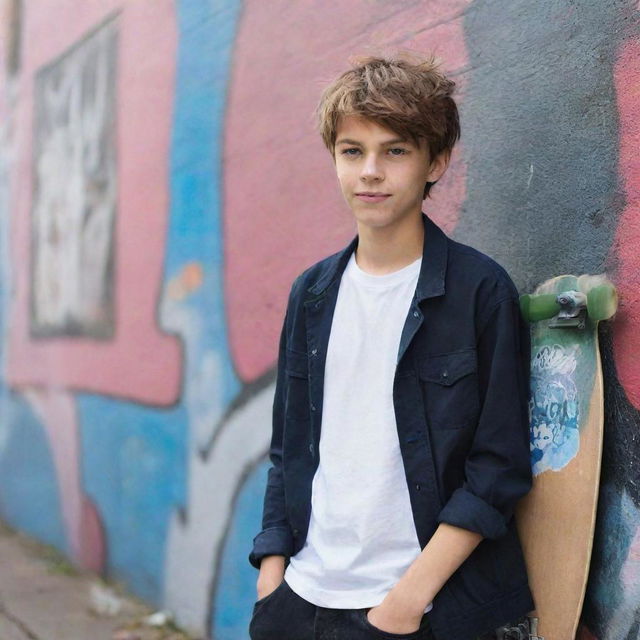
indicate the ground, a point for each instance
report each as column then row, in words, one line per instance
column 42, row 597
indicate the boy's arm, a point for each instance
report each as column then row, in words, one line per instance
column 275, row 538
column 404, row 605
column 497, row 469
column 498, row 465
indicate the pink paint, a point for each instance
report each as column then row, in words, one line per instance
column 57, row 412
column 92, row 536
column 283, row 209
column 140, row 363
column 627, row 323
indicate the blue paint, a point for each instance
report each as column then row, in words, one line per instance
column 135, row 458
column 133, row 463
column 554, row 412
column 28, row 485
column 206, row 34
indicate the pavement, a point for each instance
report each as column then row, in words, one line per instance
column 42, row 597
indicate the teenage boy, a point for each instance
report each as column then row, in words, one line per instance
column 400, row 423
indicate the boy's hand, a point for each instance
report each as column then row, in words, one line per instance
column 265, row 588
column 271, row 575
column 393, row 618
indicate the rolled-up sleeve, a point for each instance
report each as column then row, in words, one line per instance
column 498, row 466
column 275, row 538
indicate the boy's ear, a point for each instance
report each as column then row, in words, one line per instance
column 439, row 166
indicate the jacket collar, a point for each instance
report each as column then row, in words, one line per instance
column 432, row 270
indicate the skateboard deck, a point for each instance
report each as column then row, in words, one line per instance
column 556, row 519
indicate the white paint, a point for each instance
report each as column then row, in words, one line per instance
column 530, row 175
column 203, row 370
column 192, row 548
column 75, row 187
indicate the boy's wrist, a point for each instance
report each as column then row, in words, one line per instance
column 271, row 574
column 272, row 565
column 411, row 602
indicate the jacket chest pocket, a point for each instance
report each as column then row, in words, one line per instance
column 449, row 383
column 297, row 378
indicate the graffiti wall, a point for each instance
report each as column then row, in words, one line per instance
column 162, row 184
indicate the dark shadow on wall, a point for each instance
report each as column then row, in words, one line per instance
column 539, row 130
column 606, row 603
column 540, row 136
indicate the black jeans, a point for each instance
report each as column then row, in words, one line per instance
column 284, row 615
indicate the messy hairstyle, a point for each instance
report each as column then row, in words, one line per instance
column 408, row 95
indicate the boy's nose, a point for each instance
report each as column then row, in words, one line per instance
column 371, row 169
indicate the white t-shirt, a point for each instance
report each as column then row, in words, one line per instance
column 361, row 536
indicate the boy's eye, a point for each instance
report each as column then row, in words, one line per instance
column 395, row 151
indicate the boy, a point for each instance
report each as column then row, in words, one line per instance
column 400, row 422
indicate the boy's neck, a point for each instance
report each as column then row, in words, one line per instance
column 387, row 249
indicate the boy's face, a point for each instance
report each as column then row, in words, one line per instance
column 372, row 159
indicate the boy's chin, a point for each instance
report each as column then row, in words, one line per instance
column 376, row 217
column 372, row 218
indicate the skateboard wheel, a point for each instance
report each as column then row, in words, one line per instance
column 602, row 302
column 538, row 307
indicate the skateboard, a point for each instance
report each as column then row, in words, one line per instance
column 556, row 519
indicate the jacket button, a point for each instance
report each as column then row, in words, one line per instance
column 417, row 487
column 415, row 314
column 313, row 407
column 314, row 352
column 311, row 448
column 444, row 374
column 296, row 532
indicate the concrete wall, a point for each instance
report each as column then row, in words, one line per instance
column 161, row 185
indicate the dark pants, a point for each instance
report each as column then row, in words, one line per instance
column 284, row 615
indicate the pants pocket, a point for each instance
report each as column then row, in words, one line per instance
column 422, row 632
column 262, row 600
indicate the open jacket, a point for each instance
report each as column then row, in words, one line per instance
column 460, row 396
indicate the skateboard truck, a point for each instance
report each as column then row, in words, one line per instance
column 595, row 297
column 573, row 310
column 524, row 630
column 533, row 628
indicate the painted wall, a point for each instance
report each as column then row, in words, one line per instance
column 161, row 185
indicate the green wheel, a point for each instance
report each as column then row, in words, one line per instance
column 602, row 302
column 538, row 307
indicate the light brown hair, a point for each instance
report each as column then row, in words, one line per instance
column 404, row 93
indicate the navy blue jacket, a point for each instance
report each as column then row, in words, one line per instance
column 460, row 395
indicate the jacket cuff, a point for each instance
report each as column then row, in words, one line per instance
column 466, row 510
column 271, row 541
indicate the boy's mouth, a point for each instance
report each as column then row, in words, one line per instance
column 372, row 196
